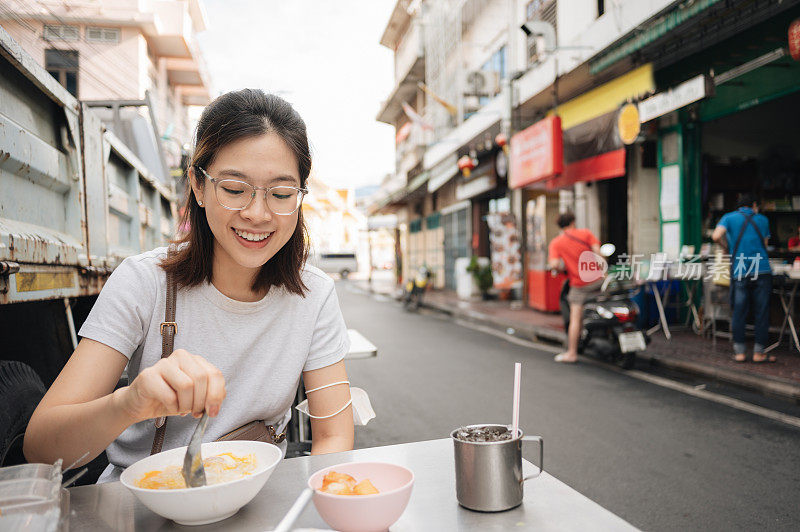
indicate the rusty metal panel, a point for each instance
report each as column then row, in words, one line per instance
column 74, row 200
column 41, row 209
column 122, row 193
column 38, row 282
column 138, row 222
column 95, row 189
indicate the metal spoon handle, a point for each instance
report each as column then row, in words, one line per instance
column 295, row 511
column 194, row 474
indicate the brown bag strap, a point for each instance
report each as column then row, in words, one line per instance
column 168, row 331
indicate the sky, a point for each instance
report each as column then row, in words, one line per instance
column 325, row 58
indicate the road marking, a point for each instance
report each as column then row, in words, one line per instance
column 695, row 391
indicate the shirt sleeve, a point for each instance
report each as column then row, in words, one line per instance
column 121, row 315
column 725, row 222
column 330, row 342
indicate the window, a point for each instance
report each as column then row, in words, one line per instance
column 106, row 35
column 53, row 32
column 63, row 65
column 601, row 8
column 497, row 65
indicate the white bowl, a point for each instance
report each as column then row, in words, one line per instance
column 207, row 504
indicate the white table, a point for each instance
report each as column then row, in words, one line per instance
column 549, row 504
column 788, row 291
column 360, row 347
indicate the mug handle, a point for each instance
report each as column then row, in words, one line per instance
column 541, row 455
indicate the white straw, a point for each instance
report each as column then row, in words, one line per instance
column 515, row 416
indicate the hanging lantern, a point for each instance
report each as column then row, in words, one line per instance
column 502, row 140
column 466, row 164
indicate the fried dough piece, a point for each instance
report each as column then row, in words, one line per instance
column 338, row 488
column 338, row 483
column 365, row 487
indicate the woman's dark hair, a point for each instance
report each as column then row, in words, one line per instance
column 565, row 219
column 229, row 118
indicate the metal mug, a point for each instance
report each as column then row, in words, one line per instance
column 489, row 474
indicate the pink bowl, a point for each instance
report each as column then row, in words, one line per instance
column 364, row 513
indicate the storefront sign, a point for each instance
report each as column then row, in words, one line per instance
column 675, row 98
column 794, row 39
column 628, row 124
column 443, row 172
column 473, row 187
column 537, row 153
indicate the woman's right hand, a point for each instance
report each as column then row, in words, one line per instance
column 180, row 384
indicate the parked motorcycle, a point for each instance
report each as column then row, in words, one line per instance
column 415, row 289
column 609, row 330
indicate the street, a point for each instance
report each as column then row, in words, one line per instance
column 659, row 458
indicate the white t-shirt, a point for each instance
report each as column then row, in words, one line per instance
column 261, row 347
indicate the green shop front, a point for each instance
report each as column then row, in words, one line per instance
column 737, row 132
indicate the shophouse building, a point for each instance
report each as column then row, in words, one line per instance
column 645, row 117
column 118, row 54
column 454, row 102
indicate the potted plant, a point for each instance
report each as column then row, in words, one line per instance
column 482, row 274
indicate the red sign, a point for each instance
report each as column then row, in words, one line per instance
column 794, row 39
column 537, row 153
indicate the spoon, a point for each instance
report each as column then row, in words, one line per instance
column 193, row 471
column 294, row 512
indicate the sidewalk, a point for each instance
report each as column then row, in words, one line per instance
column 686, row 351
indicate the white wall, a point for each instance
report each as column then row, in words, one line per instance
column 487, row 34
column 573, row 17
column 587, row 37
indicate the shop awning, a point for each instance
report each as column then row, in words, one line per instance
column 417, row 182
column 604, row 166
column 607, row 97
column 651, row 32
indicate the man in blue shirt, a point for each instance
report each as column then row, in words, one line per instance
column 745, row 233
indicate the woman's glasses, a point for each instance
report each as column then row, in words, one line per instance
column 236, row 195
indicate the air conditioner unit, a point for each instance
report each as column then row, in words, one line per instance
column 482, row 83
column 535, row 47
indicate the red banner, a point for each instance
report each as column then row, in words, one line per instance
column 537, row 153
column 604, row 166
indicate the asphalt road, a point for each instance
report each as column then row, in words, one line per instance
column 659, row 458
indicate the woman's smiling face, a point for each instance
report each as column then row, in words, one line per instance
column 252, row 236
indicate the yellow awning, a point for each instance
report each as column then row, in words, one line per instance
column 606, row 97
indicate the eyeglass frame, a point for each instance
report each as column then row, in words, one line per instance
column 302, row 191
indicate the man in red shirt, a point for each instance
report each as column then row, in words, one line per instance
column 578, row 252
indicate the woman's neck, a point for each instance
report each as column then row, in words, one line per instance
column 232, row 279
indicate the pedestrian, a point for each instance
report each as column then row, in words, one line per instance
column 252, row 316
column 745, row 233
column 578, row 252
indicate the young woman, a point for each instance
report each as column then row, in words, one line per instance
column 251, row 315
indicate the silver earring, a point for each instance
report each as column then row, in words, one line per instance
column 200, row 202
